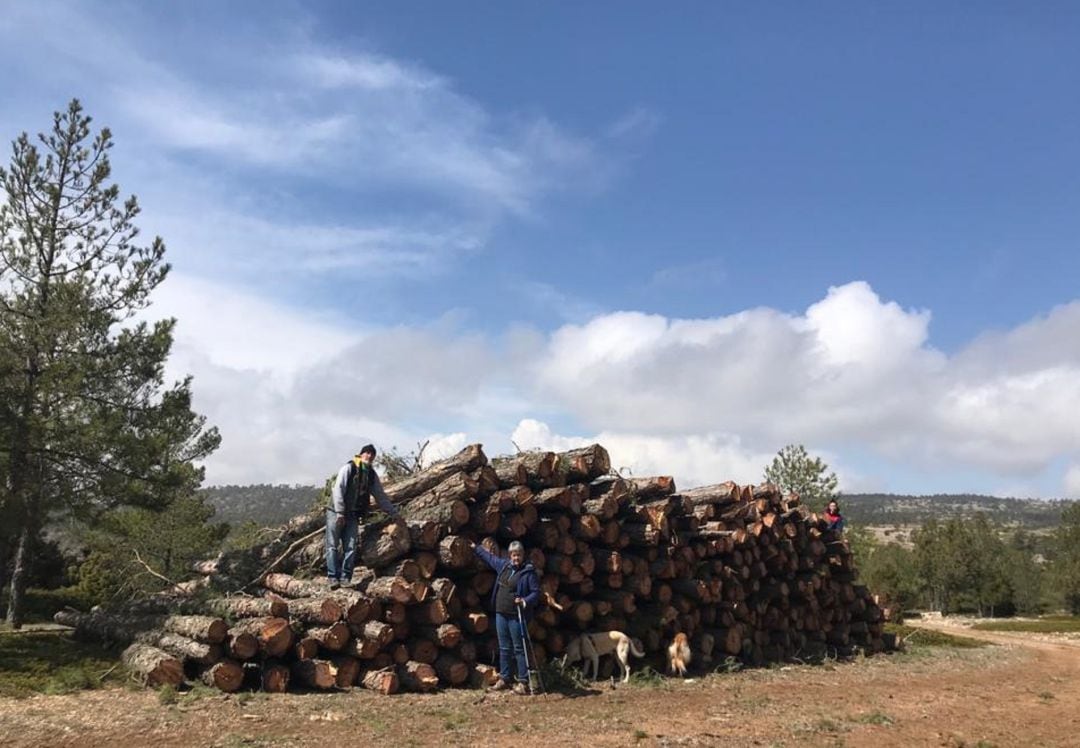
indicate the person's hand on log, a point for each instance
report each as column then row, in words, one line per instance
column 339, row 523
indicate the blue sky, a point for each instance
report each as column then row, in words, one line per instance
column 695, row 234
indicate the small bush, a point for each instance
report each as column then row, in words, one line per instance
column 53, row 663
column 912, row 635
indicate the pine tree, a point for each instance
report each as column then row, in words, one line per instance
column 88, row 423
column 794, row 470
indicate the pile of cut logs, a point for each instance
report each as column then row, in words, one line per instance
column 744, row 571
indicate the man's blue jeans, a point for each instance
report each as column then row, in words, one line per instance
column 511, row 648
column 339, row 567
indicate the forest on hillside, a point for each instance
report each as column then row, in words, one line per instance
column 898, row 509
column 267, row 504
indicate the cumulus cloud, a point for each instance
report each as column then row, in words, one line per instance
column 852, row 370
column 1072, row 482
column 694, row 460
column 704, row 400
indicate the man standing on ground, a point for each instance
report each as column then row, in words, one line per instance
column 351, row 497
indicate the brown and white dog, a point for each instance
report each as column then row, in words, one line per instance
column 679, row 655
column 589, row 648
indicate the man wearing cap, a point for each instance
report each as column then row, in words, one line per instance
column 351, row 497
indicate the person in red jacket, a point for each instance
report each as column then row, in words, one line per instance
column 833, row 518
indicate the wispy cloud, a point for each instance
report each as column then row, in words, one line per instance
column 432, row 169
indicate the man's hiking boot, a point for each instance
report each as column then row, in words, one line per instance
column 334, row 584
column 521, row 689
column 500, row 685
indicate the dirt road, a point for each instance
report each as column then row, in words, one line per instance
column 1022, row 692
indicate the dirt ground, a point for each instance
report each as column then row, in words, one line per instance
column 1023, row 692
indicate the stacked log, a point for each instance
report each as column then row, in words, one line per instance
column 744, row 571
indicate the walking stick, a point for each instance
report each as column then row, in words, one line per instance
column 536, row 684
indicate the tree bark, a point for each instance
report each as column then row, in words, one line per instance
column 391, row 589
column 320, row 674
column 153, row 666
column 180, row 646
column 451, row 670
column 348, row 670
column 316, row 610
column 418, row 676
column 467, row 460
column 225, row 676
column 274, row 635
column 381, row 681
column 289, row 586
column 248, row 607
column 585, row 463
column 19, row 575
column 380, row 547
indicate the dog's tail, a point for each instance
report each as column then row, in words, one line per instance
column 635, row 649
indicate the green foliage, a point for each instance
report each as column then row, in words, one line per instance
column 263, row 504
column 136, row 551
column 394, row 465
column 964, row 565
column 900, row 509
column 913, row 636
column 794, row 470
column 890, row 570
column 1065, row 566
column 51, row 663
column 87, row 421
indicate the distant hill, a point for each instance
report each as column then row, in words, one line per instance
column 261, row 503
column 273, row 505
column 897, row 509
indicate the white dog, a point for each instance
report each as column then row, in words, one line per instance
column 589, row 648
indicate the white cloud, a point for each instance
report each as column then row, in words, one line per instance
column 365, row 71
column 1072, row 482
column 704, row 400
column 694, row 460
column 852, row 370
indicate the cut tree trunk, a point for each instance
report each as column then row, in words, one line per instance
column 248, row 607
column 200, row 628
column 289, row 586
column 321, row 674
column 467, row 460
column 391, row 589
column 381, row 681
column 455, row 552
column 240, row 645
column 180, row 646
column 444, row 503
column 451, row 670
column 153, row 666
column 316, row 610
column 381, row 546
column 274, row 634
column 418, row 676
column 332, row 638
column 585, row 464
column 348, row 670
column 225, row 676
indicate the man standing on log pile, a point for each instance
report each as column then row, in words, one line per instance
column 351, row 496
column 516, row 585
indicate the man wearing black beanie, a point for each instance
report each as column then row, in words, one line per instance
column 354, row 486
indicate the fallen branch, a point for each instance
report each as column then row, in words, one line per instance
column 146, row 566
column 288, row 552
